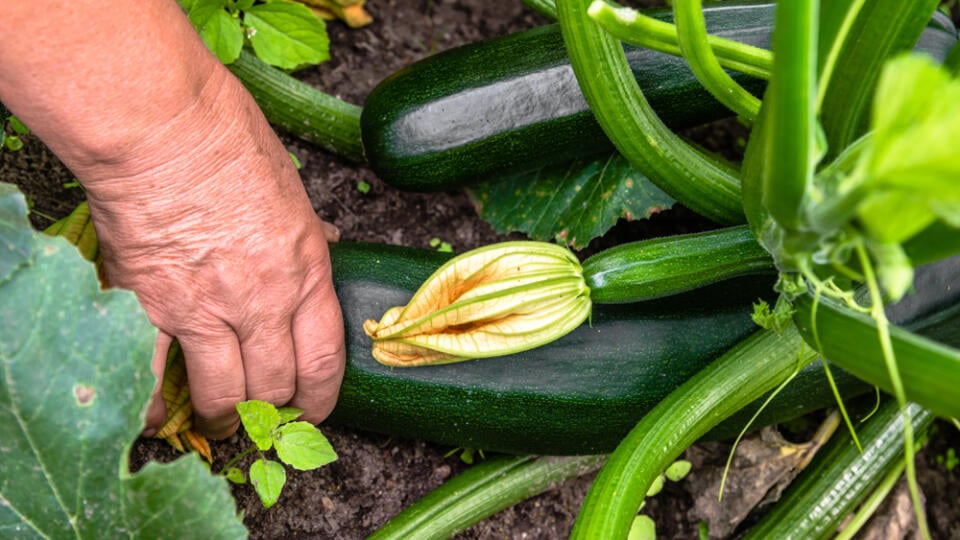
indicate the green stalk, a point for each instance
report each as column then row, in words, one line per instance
column 633, row 27
column 858, row 38
column 482, row 491
column 693, row 38
column 301, row 109
column 872, row 503
column 706, row 186
column 790, row 134
column 930, row 371
column 746, row 372
column 840, row 477
column 879, row 316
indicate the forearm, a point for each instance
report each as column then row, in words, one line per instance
column 98, row 80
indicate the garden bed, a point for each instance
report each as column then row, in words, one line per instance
column 377, row 475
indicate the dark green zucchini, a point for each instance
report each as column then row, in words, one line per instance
column 578, row 395
column 513, row 103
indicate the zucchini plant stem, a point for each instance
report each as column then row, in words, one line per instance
column 635, row 28
column 693, row 38
column 879, row 315
column 790, row 139
column 750, row 369
column 706, row 186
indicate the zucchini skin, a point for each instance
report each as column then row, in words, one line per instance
column 513, row 103
column 578, row 395
column 648, row 269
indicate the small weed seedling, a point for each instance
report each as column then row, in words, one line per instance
column 11, row 130
column 440, row 245
column 298, row 444
column 467, row 455
column 949, row 459
column 643, row 527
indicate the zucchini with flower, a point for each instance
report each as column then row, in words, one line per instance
column 491, row 301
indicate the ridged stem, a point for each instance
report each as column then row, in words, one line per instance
column 694, row 43
column 635, row 28
column 756, row 365
column 707, row 187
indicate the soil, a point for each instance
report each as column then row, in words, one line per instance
column 378, row 475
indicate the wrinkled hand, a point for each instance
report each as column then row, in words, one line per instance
column 209, row 223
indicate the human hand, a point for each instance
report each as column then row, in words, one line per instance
column 197, row 205
column 218, row 239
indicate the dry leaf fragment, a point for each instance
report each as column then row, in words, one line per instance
column 491, row 301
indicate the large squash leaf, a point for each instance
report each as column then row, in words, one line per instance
column 571, row 203
column 74, row 382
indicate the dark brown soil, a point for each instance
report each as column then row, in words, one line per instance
column 378, row 475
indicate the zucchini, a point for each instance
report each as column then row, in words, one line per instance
column 513, row 104
column 648, row 269
column 481, row 491
column 300, row 109
column 578, row 395
column 841, row 477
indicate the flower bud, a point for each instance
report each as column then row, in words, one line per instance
column 492, row 301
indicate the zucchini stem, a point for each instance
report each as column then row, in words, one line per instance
column 707, row 187
column 879, row 315
column 633, row 27
column 694, row 42
column 744, row 373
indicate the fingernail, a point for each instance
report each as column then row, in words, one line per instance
column 149, row 432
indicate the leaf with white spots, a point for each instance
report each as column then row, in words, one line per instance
column 572, row 203
column 74, row 382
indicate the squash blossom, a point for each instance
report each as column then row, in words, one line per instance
column 492, row 301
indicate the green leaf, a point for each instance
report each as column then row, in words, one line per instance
column 13, row 143
column 656, row 487
column 916, row 121
column 75, row 380
column 224, row 36
column 678, row 470
column 303, row 447
column 18, row 126
column 15, row 232
column 572, row 203
column 236, row 475
column 911, row 166
column 201, row 11
column 286, row 34
column 289, row 414
column 642, row 528
column 259, row 419
column 268, row 478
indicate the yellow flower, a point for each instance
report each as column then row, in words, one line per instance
column 495, row 300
